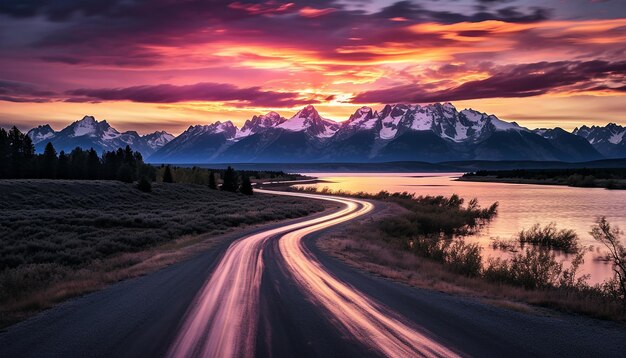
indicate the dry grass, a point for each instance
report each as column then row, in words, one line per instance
column 363, row 247
column 49, row 229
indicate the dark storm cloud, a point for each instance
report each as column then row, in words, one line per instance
column 211, row 92
column 513, row 81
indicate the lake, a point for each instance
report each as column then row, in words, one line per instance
column 521, row 206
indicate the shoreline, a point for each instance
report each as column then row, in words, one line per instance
column 546, row 182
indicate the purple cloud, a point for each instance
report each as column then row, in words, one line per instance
column 513, row 81
column 205, row 91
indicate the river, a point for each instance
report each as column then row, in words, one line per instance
column 521, row 206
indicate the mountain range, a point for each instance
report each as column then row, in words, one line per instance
column 401, row 132
column 99, row 135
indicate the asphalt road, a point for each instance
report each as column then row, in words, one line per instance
column 271, row 292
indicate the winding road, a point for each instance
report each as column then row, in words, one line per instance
column 271, row 292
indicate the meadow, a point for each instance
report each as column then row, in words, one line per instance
column 50, row 229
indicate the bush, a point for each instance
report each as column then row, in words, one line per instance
column 167, row 175
column 610, row 237
column 144, row 185
column 463, row 258
column 549, row 237
column 535, row 267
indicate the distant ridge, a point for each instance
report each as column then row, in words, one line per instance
column 415, row 167
column 99, row 135
column 431, row 133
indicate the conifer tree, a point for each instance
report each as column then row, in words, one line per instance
column 49, row 162
column 4, row 154
column 93, row 164
column 230, row 180
column 212, row 182
column 63, row 166
column 167, row 175
column 246, row 186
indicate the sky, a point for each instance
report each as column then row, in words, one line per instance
column 150, row 65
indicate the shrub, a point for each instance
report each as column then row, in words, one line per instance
column 167, row 175
column 463, row 258
column 144, row 185
column 549, row 237
column 610, row 237
column 535, row 267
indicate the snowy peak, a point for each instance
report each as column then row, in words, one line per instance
column 227, row 128
column 41, row 133
column 550, row 133
column 91, row 133
column 89, row 126
column 157, row 139
column 442, row 119
column 610, row 134
column 85, row 126
column 363, row 118
column 259, row 123
column 310, row 121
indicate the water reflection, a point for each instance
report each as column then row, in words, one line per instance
column 521, row 205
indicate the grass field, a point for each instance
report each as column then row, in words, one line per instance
column 52, row 229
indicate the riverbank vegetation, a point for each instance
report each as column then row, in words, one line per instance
column 52, row 231
column 397, row 247
column 609, row 178
column 550, row 237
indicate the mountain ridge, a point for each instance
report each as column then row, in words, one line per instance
column 431, row 133
column 91, row 133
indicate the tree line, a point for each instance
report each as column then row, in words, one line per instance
column 227, row 180
column 18, row 160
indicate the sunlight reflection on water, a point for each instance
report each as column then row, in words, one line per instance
column 521, row 205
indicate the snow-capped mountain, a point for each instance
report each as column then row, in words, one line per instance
column 90, row 133
column 157, row 139
column 309, row 121
column 569, row 143
column 609, row 140
column 197, row 144
column 435, row 132
column 41, row 133
column 260, row 123
column 399, row 132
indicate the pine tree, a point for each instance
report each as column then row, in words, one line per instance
column 125, row 173
column 16, row 153
column 49, row 162
column 93, row 165
column 63, row 166
column 78, row 164
column 230, row 180
column 212, row 182
column 246, row 186
column 167, row 175
column 4, row 154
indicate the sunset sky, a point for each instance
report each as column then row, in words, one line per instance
column 166, row 64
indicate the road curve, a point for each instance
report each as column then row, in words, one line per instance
column 224, row 317
column 272, row 293
column 369, row 322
